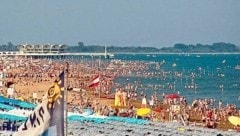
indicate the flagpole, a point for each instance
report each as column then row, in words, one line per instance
column 66, row 69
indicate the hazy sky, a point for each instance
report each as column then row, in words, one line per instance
column 155, row 23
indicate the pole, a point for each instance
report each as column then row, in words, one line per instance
column 66, row 96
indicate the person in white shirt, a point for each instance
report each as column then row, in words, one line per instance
column 144, row 102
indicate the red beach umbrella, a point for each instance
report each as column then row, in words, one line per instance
column 172, row 96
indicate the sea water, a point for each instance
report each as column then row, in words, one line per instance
column 211, row 76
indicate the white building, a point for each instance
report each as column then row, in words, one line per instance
column 46, row 48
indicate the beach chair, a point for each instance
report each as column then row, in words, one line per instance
column 4, row 126
column 14, row 127
column 9, row 126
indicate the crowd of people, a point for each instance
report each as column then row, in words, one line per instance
column 32, row 77
column 212, row 113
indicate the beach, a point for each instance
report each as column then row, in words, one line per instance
column 31, row 78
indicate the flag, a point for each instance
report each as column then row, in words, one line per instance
column 94, row 82
column 56, row 127
column 47, row 119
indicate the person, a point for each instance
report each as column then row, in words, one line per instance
column 151, row 102
column 210, row 123
column 130, row 111
column 163, row 95
column 121, row 97
column 117, row 98
column 141, row 94
column 237, row 128
column 144, row 102
column 124, row 98
column 34, row 96
column 220, row 104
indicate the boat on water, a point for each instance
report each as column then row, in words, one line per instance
column 223, row 61
column 111, row 55
column 237, row 67
column 174, row 65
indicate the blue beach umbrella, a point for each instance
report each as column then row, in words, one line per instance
column 17, row 102
column 7, row 100
column 6, row 107
column 26, row 105
column 12, row 117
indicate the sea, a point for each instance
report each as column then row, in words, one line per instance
column 193, row 76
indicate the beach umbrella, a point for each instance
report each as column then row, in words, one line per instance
column 234, row 120
column 12, row 117
column 8, row 100
column 26, row 105
column 20, row 103
column 6, row 107
column 172, row 96
column 143, row 111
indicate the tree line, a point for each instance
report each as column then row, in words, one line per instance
column 200, row 48
column 177, row 48
column 219, row 47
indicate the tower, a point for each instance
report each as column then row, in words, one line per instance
column 105, row 55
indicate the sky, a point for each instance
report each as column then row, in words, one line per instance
column 153, row 23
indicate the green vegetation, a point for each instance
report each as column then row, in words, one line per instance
column 98, row 48
column 219, row 47
column 8, row 47
column 199, row 48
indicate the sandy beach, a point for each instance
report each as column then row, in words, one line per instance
column 32, row 79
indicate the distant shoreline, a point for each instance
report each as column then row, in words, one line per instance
column 173, row 53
